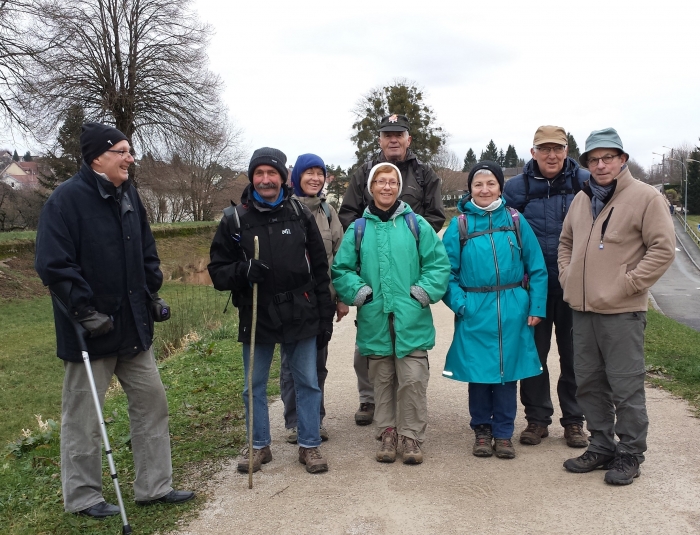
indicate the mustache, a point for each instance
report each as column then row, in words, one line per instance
column 266, row 186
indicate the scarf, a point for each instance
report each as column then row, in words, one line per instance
column 601, row 195
column 262, row 201
column 383, row 215
column 491, row 207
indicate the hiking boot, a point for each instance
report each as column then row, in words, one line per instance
column 533, row 434
column 588, row 462
column 260, row 457
column 504, row 448
column 575, row 436
column 292, row 436
column 365, row 414
column 623, row 470
column 411, row 451
column 483, row 442
column 387, row 451
column 324, row 433
column 313, row 460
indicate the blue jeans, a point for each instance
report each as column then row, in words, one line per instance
column 494, row 405
column 301, row 356
column 288, row 393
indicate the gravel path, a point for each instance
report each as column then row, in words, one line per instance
column 453, row 491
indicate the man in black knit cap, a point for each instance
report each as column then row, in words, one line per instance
column 95, row 251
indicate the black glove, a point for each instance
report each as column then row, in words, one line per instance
column 159, row 308
column 324, row 336
column 253, row 270
column 95, row 323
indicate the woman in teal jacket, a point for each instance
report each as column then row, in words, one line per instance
column 495, row 315
column 400, row 269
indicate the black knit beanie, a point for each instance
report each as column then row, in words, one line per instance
column 489, row 166
column 268, row 156
column 96, row 138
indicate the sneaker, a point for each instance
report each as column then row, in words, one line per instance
column 387, row 451
column 575, row 436
column 292, row 436
column 324, row 433
column 260, row 457
column 365, row 414
column 588, row 462
column 483, row 442
column 623, row 470
column 313, row 460
column 533, row 434
column 504, row 448
column 411, row 451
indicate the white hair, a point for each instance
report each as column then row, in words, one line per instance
column 484, row 172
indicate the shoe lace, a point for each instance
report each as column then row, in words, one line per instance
column 504, row 442
column 531, row 427
column 389, row 438
column 313, row 454
column 575, row 429
column 483, row 433
column 364, row 407
column 410, row 445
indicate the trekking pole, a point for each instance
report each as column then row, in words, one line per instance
column 256, row 255
column 81, row 333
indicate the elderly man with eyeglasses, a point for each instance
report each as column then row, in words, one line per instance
column 96, row 253
column 617, row 240
column 543, row 193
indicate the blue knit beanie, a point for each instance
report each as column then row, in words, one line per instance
column 304, row 162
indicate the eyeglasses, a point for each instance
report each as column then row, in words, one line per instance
column 546, row 150
column 592, row 162
column 123, row 153
column 383, row 183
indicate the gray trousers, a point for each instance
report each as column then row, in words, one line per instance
column 400, row 387
column 289, row 394
column 81, row 440
column 364, row 385
column 609, row 366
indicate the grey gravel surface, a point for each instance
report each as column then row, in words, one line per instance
column 453, row 491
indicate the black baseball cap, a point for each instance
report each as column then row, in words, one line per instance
column 394, row 123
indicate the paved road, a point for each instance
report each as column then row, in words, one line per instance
column 678, row 292
column 453, row 491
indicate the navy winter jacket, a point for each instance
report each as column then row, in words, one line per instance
column 544, row 203
column 105, row 250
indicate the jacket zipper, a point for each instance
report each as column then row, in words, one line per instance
column 605, row 227
column 498, row 301
column 512, row 255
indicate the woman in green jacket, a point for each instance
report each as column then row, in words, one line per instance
column 398, row 267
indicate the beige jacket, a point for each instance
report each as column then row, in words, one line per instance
column 332, row 233
column 611, row 273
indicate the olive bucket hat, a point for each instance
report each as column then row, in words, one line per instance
column 607, row 138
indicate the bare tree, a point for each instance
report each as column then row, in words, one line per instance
column 139, row 64
column 445, row 159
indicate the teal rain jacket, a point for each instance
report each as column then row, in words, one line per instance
column 492, row 342
column 390, row 264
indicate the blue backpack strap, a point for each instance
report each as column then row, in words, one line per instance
column 360, row 225
column 412, row 222
column 515, row 216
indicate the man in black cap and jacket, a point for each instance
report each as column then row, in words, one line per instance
column 294, row 300
column 95, row 251
column 421, row 191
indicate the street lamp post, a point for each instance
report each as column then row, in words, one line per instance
column 685, row 195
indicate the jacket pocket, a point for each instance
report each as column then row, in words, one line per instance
column 107, row 304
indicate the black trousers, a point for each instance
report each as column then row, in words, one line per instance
column 534, row 391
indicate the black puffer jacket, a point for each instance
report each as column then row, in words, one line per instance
column 294, row 302
column 420, row 190
column 545, row 203
column 104, row 249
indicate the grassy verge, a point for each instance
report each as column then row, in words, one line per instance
column 203, row 384
column 693, row 222
column 671, row 351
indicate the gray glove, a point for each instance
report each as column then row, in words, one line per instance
column 420, row 295
column 95, row 323
column 364, row 296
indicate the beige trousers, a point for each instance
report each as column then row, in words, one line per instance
column 400, row 393
column 81, row 441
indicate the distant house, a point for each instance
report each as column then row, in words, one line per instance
column 21, row 175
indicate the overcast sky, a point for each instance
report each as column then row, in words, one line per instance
column 490, row 69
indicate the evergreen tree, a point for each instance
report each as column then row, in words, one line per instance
column 693, row 178
column 338, row 186
column 65, row 159
column 491, row 152
column 501, row 158
column 27, row 156
column 574, row 151
column 15, row 156
column 511, row 158
column 469, row 161
column 404, row 98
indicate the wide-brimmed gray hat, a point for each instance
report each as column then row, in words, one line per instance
column 607, row 138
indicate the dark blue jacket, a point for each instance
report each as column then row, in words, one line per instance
column 105, row 250
column 544, row 203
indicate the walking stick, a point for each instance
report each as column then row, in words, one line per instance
column 81, row 333
column 256, row 255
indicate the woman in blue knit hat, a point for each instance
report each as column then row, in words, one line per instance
column 308, row 180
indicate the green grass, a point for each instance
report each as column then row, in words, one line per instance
column 17, row 235
column 203, row 385
column 671, row 351
column 693, row 222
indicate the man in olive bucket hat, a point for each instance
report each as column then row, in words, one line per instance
column 617, row 240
